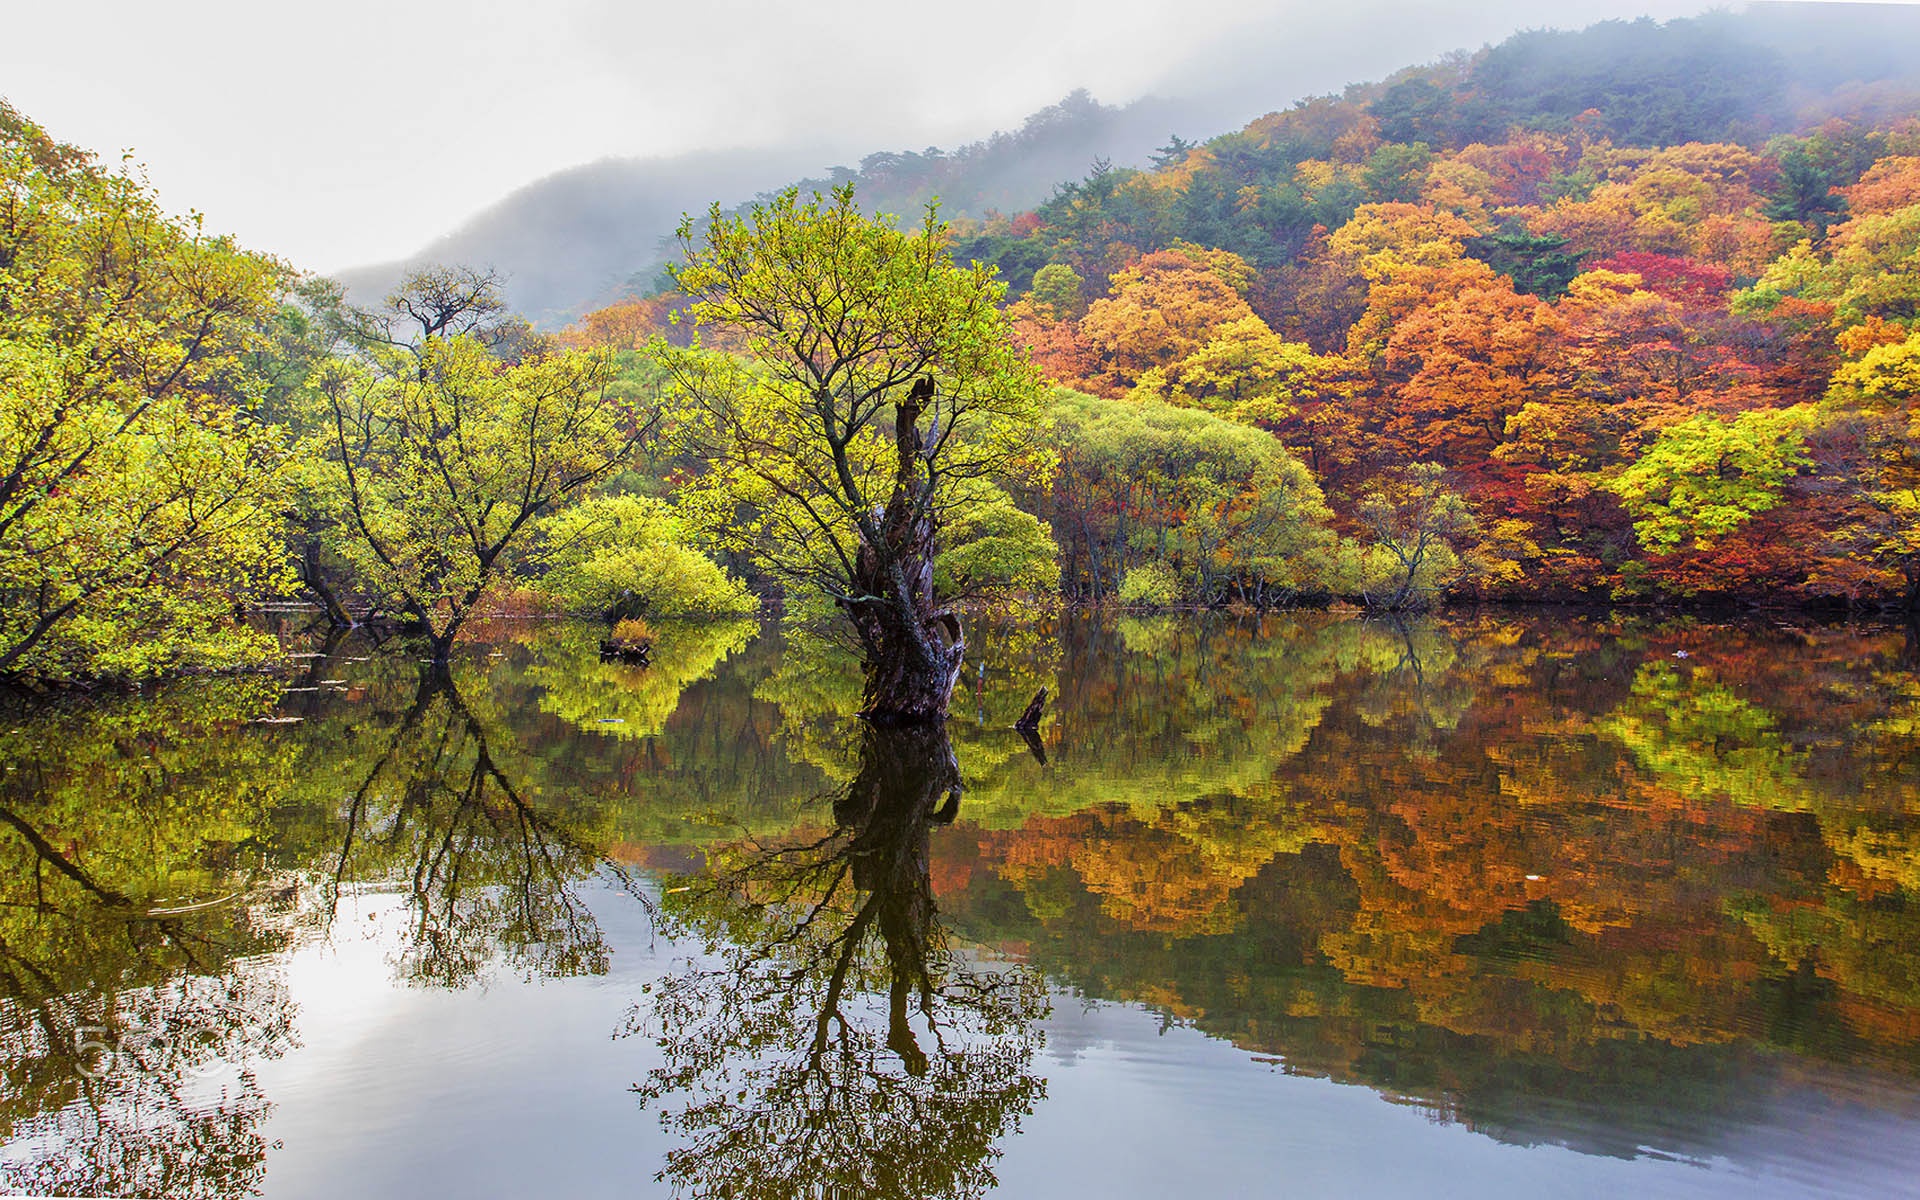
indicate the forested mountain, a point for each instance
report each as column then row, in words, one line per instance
column 585, row 235
column 1719, row 77
column 1624, row 313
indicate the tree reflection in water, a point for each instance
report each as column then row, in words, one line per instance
column 144, row 917
column 135, row 982
column 489, row 876
column 831, row 1042
column 1610, row 884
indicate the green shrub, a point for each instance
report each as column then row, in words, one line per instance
column 629, row 556
column 1149, row 585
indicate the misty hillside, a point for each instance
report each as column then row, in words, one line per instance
column 586, row 234
column 577, row 235
column 583, row 236
column 1719, row 77
column 1010, row 171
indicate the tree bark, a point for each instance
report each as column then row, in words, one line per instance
column 441, row 645
column 914, row 648
column 312, row 574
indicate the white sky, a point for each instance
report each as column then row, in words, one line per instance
column 358, row 130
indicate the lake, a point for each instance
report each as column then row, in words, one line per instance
column 1487, row 904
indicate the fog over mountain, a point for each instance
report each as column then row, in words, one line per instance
column 582, row 236
column 578, row 235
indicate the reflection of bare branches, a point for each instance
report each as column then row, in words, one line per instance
column 487, row 873
column 832, row 1042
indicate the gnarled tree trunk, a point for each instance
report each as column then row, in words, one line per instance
column 914, row 648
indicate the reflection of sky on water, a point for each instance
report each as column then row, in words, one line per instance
column 519, row 1089
column 1136, row 1108
column 508, row 1089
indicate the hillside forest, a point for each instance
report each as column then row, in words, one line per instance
column 1598, row 336
column 1616, row 316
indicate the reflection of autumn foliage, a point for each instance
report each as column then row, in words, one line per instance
column 445, row 808
column 1575, row 844
column 1174, row 874
column 1630, row 864
column 1696, row 736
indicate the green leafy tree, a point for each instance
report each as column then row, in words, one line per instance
column 1877, row 397
column 138, row 490
column 1057, row 291
column 1705, row 477
column 442, row 459
column 1149, row 585
column 1222, row 507
column 1244, row 371
column 631, row 556
column 995, row 550
column 875, row 388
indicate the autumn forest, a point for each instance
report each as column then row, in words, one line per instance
column 1373, row 653
column 1599, row 346
column 1619, row 316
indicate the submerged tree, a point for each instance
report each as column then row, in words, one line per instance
column 444, row 453
column 843, row 322
column 834, row 1044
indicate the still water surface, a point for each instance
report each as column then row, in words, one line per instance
column 1489, row 905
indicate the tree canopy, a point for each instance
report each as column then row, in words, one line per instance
column 139, row 487
column 870, row 390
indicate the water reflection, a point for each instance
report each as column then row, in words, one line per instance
column 1558, row 882
column 1619, row 885
column 786, row 1073
column 135, row 986
column 489, row 876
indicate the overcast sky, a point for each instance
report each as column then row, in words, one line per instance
column 355, row 131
